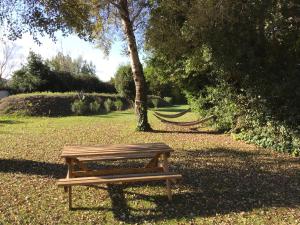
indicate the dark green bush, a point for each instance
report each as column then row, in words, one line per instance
column 155, row 102
column 168, row 100
column 108, row 105
column 119, row 104
column 80, row 107
column 95, row 107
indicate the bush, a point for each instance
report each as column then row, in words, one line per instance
column 168, row 100
column 155, row 102
column 108, row 105
column 79, row 107
column 95, row 107
column 218, row 101
column 119, row 104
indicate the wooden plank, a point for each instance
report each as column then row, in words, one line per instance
column 69, row 171
column 116, row 171
column 110, row 150
column 120, row 154
column 117, row 179
column 119, row 147
column 115, row 157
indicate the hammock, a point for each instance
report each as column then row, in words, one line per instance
column 172, row 115
column 185, row 124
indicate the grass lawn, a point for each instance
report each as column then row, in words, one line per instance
column 225, row 181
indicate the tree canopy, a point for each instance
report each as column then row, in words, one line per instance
column 235, row 59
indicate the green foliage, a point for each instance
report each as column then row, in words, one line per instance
column 32, row 76
column 119, row 104
column 155, row 102
column 108, row 105
column 95, row 107
column 218, row 101
column 124, row 82
column 272, row 135
column 63, row 74
column 169, row 100
column 237, row 60
column 159, row 85
column 79, row 107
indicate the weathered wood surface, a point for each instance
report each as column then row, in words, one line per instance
column 117, row 179
column 117, row 151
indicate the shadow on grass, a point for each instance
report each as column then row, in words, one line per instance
column 216, row 181
column 51, row 170
column 10, row 122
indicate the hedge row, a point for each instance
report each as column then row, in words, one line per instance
column 60, row 104
column 50, row 104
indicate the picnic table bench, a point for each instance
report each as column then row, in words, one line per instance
column 77, row 157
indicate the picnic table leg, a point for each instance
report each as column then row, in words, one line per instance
column 166, row 169
column 153, row 162
column 69, row 175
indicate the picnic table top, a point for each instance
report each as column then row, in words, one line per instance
column 115, row 150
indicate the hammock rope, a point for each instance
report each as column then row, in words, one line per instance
column 185, row 124
column 172, row 115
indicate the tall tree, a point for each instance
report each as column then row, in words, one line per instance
column 91, row 20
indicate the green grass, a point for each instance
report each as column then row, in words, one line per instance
column 225, row 181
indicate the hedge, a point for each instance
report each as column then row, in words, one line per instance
column 50, row 104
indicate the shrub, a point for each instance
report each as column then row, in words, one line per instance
column 108, row 105
column 95, row 107
column 168, row 100
column 79, row 107
column 119, row 104
column 218, row 101
column 155, row 102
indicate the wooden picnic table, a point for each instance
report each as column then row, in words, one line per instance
column 77, row 158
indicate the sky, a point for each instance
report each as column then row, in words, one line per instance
column 106, row 66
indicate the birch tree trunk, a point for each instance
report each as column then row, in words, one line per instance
column 137, row 70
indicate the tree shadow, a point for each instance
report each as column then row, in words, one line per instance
column 10, row 122
column 51, row 170
column 217, row 181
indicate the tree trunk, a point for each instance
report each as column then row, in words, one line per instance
column 137, row 70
